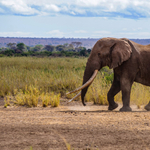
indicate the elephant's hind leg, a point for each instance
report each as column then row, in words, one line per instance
column 126, row 84
column 147, row 107
column 115, row 88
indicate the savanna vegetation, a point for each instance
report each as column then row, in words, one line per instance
column 68, row 50
column 32, row 81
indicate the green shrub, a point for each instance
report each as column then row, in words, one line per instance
column 2, row 55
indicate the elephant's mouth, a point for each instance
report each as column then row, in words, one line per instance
column 83, row 86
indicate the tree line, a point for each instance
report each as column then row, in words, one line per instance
column 68, row 50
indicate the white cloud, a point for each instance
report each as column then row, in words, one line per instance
column 52, row 7
column 87, row 3
column 55, row 33
column 19, row 7
column 48, row 2
column 79, row 11
column 106, row 5
column 134, row 9
column 16, row 34
column 116, row 8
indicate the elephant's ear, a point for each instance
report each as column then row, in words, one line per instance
column 120, row 52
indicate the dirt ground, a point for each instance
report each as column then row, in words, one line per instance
column 89, row 128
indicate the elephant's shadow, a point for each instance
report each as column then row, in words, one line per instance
column 100, row 111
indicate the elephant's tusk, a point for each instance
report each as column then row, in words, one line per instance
column 86, row 84
column 75, row 97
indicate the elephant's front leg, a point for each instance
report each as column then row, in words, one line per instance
column 126, row 90
column 115, row 88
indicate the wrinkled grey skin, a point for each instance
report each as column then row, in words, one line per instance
column 130, row 62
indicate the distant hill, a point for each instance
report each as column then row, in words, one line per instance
column 142, row 41
column 88, row 43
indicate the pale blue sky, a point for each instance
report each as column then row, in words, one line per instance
column 75, row 18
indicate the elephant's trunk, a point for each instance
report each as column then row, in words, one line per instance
column 89, row 75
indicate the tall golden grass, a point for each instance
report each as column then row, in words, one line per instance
column 48, row 74
column 58, row 75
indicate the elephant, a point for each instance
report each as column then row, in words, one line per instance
column 130, row 62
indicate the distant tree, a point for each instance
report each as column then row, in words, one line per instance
column 60, row 47
column 4, row 48
column 70, row 46
column 11, row 46
column 83, row 51
column 66, row 45
column 18, row 51
column 37, row 48
column 28, row 47
column 21, row 47
column 45, row 53
column 89, row 51
column 8, row 52
column 49, row 48
column 76, row 44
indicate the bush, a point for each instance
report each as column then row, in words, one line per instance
column 8, row 52
column 2, row 55
column 32, row 97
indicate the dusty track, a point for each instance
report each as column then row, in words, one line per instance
column 90, row 127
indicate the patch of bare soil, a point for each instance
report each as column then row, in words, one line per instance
column 91, row 127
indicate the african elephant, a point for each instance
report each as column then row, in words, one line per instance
column 130, row 62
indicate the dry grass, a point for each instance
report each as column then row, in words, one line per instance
column 46, row 76
column 56, row 74
column 140, row 94
column 32, row 97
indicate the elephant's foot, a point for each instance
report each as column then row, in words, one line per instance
column 126, row 108
column 147, row 107
column 112, row 107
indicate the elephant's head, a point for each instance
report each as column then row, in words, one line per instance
column 109, row 52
